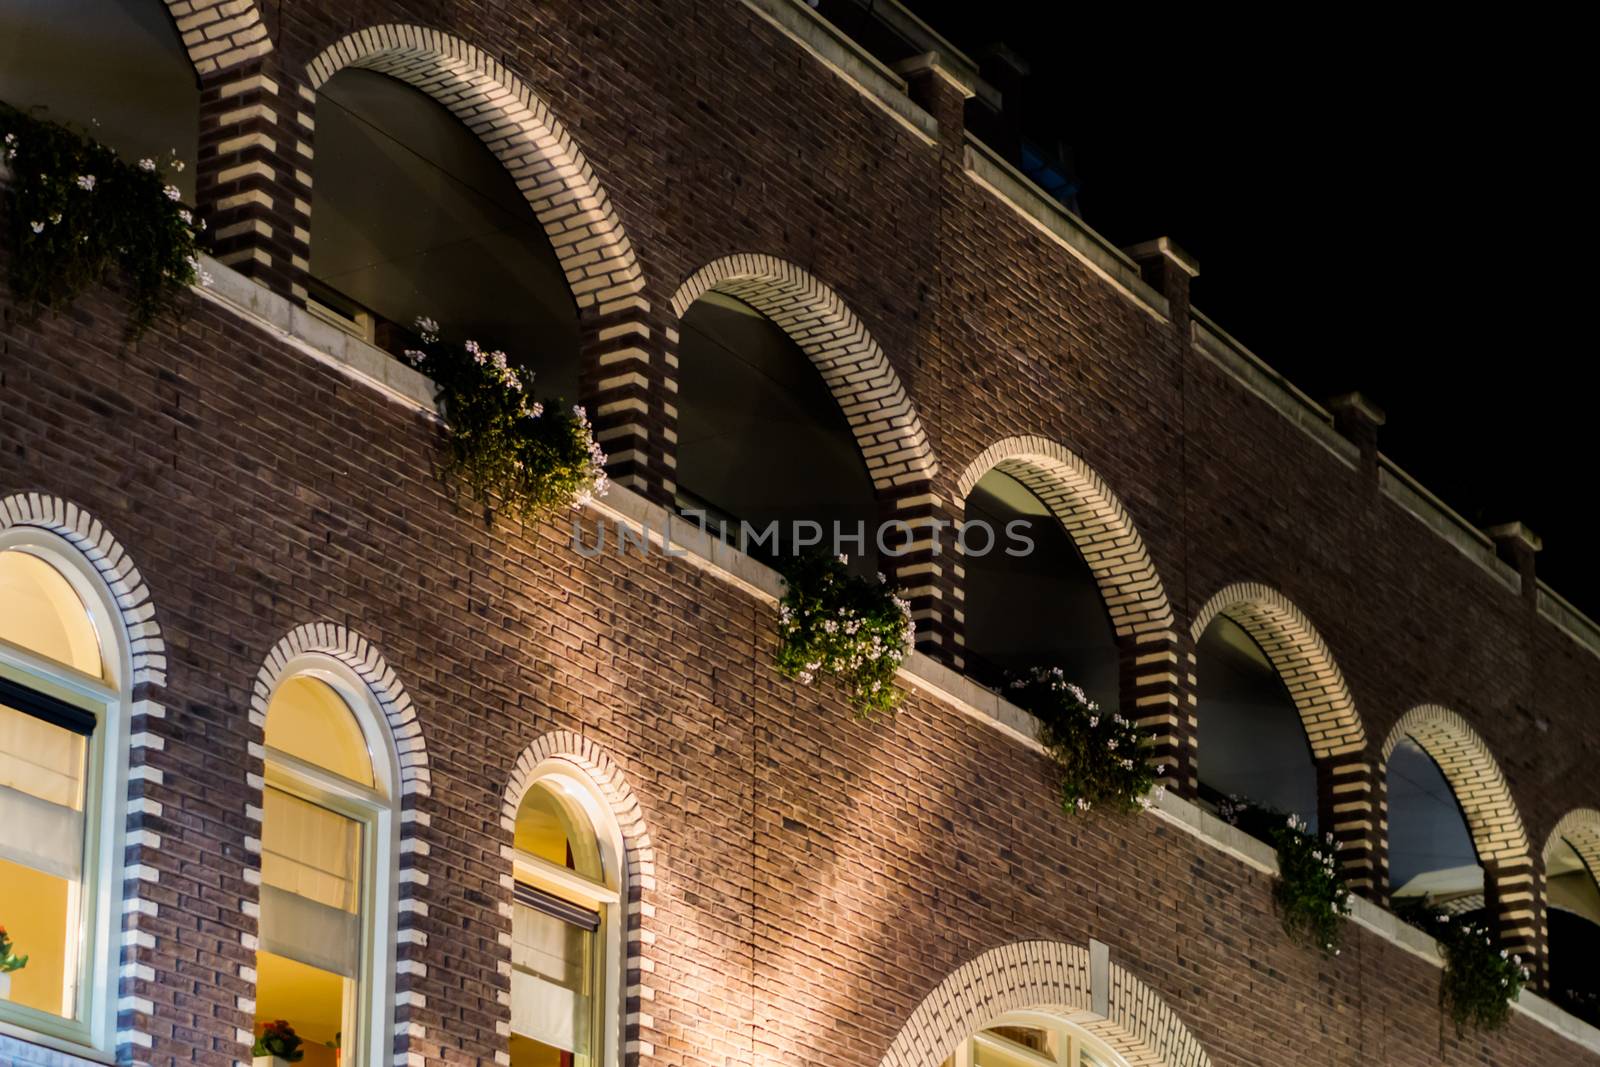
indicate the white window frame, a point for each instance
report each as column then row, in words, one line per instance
column 606, row 896
column 1072, row 1040
column 93, row 1030
column 376, row 808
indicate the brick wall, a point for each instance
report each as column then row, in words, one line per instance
column 815, row 877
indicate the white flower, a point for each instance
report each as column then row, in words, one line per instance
column 147, row 164
column 11, row 140
column 86, row 182
column 173, row 192
column 177, row 164
column 183, row 213
column 55, row 218
column 36, row 227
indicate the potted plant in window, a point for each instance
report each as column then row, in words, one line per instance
column 277, row 1045
column 9, row 961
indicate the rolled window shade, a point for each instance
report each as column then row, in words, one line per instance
column 305, row 931
column 551, row 991
column 35, row 833
column 41, row 794
column 310, row 851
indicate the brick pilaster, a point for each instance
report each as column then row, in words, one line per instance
column 1348, row 808
column 931, row 573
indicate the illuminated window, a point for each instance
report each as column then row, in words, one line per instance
column 59, row 724
column 1034, row 1039
column 565, row 949
column 325, row 907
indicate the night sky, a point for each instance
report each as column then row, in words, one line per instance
column 1386, row 206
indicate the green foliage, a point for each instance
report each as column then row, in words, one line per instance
column 1097, row 756
column 834, row 622
column 1312, row 898
column 76, row 214
column 514, row 454
column 9, row 960
column 1480, row 981
column 279, row 1039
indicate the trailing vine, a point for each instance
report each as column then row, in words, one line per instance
column 77, row 214
column 1311, row 896
column 1097, row 756
column 514, row 454
column 1479, row 981
column 833, row 622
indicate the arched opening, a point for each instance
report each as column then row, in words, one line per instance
column 1572, row 912
column 413, row 216
column 1432, row 858
column 327, row 862
column 762, row 438
column 1031, row 600
column 1255, row 761
column 64, row 677
column 114, row 68
column 1034, row 1039
column 567, row 924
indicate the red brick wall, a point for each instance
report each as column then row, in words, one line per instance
column 815, row 876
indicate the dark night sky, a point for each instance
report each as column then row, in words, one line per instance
column 1392, row 207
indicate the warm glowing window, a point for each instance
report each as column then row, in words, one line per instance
column 56, row 705
column 1032, row 1039
column 562, row 929
column 321, row 832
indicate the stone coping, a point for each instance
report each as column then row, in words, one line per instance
column 839, row 53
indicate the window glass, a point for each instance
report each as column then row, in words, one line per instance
column 309, row 964
column 44, row 615
column 309, row 720
column 43, row 772
column 558, row 935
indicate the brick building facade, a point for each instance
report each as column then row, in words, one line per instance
column 802, row 886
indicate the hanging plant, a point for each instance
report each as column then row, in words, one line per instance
column 1312, row 899
column 1098, row 757
column 514, row 454
column 833, row 622
column 1479, row 981
column 76, row 215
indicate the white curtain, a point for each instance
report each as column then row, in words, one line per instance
column 550, row 991
column 310, row 884
column 41, row 795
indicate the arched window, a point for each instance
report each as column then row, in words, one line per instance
column 1041, row 608
column 1252, row 739
column 1432, row 859
column 761, row 437
column 1572, row 896
column 566, row 947
column 115, row 68
column 328, row 825
column 1034, row 1039
column 63, row 699
column 412, row 215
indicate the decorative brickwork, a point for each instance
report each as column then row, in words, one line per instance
column 621, row 376
column 1045, row 976
column 639, row 886
column 413, row 786
column 1150, row 646
column 1510, row 887
column 219, row 34
column 147, row 653
column 886, row 425
column 1581, row 830
column 1346, row 806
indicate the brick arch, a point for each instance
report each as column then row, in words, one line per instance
column 1135, row 599
column 1496, row 826
column 620, row 381
column 400, row 717
column 146, row 714
column 598, row 766
column 1579, row 828
column 219, row 34
column 1052, row 977
column 1303, row 662
column 881, row 415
